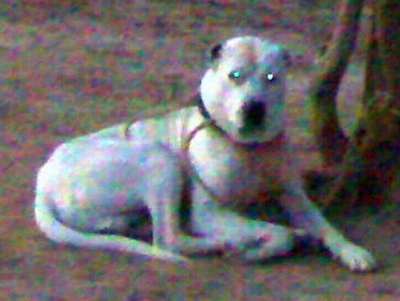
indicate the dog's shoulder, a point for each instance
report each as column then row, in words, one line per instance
column 171, row 128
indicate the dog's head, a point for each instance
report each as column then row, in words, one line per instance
column 243, row 91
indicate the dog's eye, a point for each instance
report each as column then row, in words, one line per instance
column 270, row 77
column 235, row 74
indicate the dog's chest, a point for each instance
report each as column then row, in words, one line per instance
column 251, row 180
column 240, row 175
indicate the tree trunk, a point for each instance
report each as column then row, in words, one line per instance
column 323, row 91
column 388, row 15
column 373, row 156
column 380, row 145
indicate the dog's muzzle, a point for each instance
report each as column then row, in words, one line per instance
column 254, row 113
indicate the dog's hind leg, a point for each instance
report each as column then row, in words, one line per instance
column 165, row 201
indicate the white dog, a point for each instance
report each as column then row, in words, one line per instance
column 229, row 150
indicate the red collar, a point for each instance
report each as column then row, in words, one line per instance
column 270, row 144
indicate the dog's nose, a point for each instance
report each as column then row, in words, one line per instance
column 254, row 113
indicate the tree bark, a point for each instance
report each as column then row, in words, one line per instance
column 372, row 160
column 388, row 15
column 381, row 144
column 329, row 136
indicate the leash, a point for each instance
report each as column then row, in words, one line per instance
column 185, row 146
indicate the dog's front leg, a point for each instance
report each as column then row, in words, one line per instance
column 250, row 239
column 305, row 215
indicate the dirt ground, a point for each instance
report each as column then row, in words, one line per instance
column 68, row 69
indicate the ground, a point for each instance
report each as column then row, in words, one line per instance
column 68, row 69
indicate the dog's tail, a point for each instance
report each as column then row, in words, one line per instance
column 58, row 232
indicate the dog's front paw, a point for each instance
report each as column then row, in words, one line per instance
column 357, row 259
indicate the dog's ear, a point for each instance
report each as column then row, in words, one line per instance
column 215, row 52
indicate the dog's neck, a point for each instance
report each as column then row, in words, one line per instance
column 248, row 146
column 202, row 108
